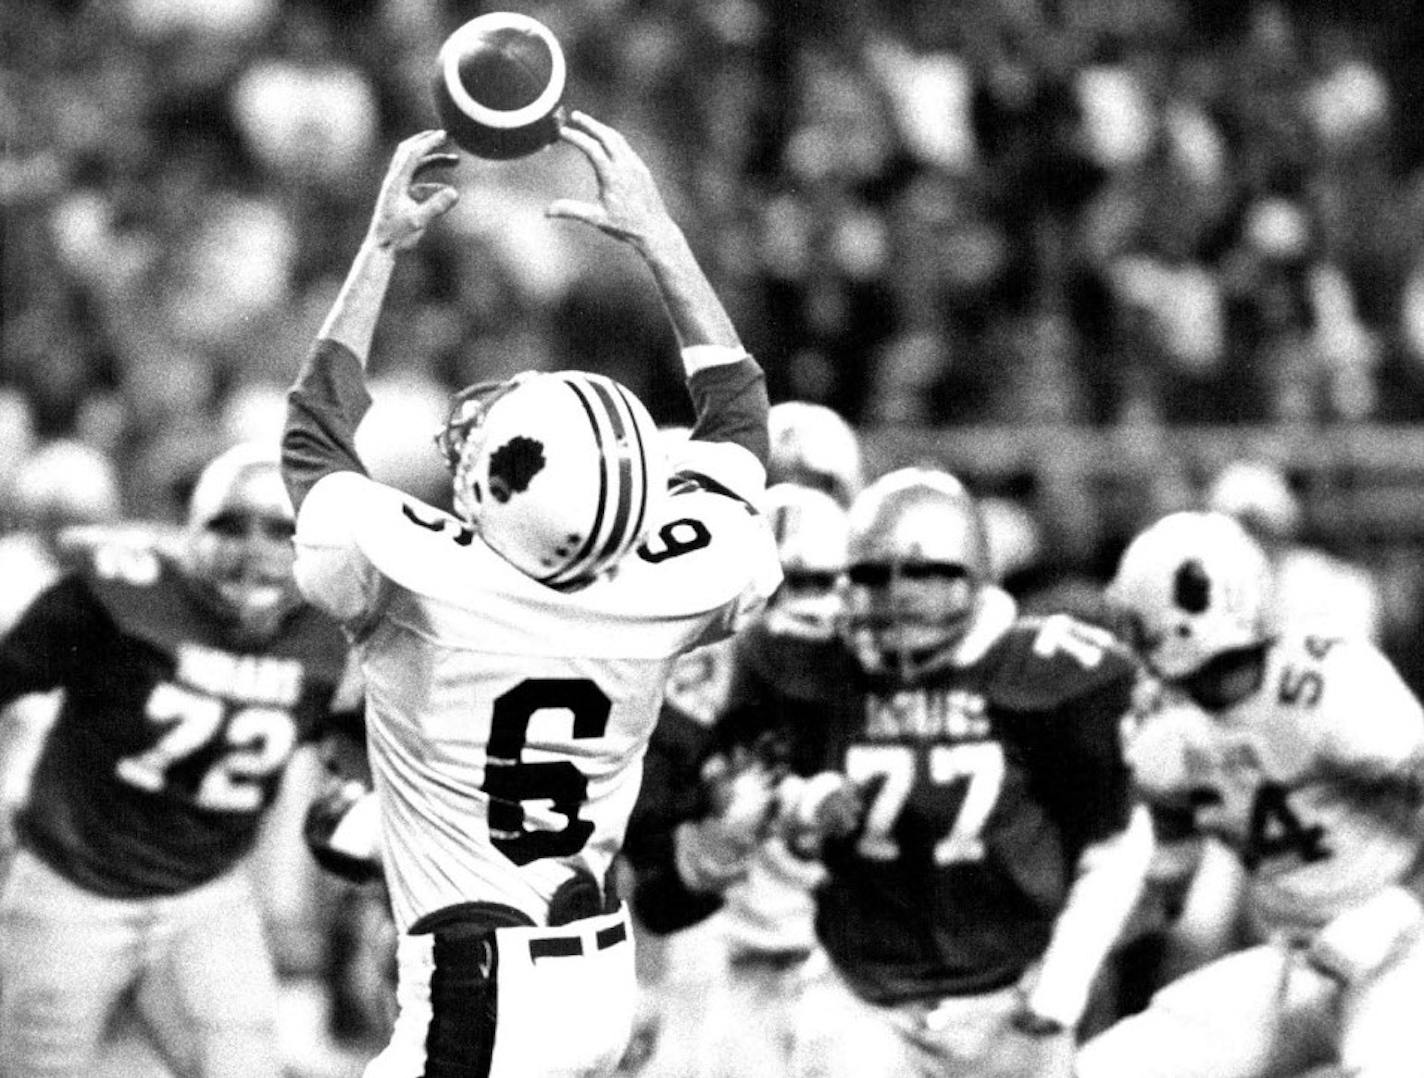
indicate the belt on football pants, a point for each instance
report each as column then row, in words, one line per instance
column 573, row 946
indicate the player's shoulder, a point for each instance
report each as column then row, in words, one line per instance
column 1045, row 661
column 1311, row 668
column 143, row 591
column 352, row 518
column 706, row 547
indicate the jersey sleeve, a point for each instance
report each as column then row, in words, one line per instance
column 729, row 444
column 324, row 408
column 1070, row 688
column 332, row 571
column 52, row 640
column 1080, row 771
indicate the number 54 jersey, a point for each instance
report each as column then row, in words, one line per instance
column 1307, row 778
column 507, row 721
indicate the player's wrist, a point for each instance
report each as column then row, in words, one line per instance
column 706, row 860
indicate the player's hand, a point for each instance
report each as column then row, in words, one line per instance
column 828, row 806
column 630, row 207
column 741, row 794
column 408, row 202
column 741, row 789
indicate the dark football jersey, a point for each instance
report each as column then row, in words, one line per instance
column 982, row 783
column 172, row 736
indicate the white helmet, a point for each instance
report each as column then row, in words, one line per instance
column 811, row 530
column 814, row 446
column 559, row 472
column 65, row 482
column 1191, row 587
column 917, row 567
column 1259, row 495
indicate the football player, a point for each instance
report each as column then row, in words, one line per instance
column 515, row 654
column 63, row 486
column 187, row 679
column 1304, row 756
column 964, row 787
column 731, row 983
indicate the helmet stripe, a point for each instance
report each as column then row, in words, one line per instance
column 624, row 434
column 579, row 559
column 643, row 472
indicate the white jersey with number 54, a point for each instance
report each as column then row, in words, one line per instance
column 507, row 721
column 1305, row 777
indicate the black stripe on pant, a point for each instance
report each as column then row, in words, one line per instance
column 464, row 1005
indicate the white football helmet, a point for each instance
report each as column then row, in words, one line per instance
column 814, row 446
column 65, row 482
column 1259, row 495
column 559, row 472
column 811, row 530
column 917, row 562
column 1192, row 587
column 238, row 547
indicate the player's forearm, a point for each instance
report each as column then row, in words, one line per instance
column 353, row 317
column 696, row 312
column 1108, row 883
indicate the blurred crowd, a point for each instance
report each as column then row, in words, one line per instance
column 1021, row 211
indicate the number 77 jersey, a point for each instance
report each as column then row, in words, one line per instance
column 507, row 721
column 1309, row 778
column 981, row 782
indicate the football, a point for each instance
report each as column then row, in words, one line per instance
column 499, row 85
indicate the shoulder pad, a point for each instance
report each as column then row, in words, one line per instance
column 1045, row 662
column 148, row 598
column 143, row 592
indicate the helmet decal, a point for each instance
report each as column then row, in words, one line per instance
column 512, row 466
column 558, row 471
column 1191, row 587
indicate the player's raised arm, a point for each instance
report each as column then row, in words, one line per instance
column 727, row 386
column 329, row 397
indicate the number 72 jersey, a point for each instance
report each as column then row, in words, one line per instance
column 172, row 735
column 1307, row 778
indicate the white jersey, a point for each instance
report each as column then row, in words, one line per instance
column 1326, row 595
column 507, row 721
column 1291, row 777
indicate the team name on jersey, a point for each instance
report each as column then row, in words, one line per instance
column 256, row 679
column 927, row 715
column 1237, row 758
